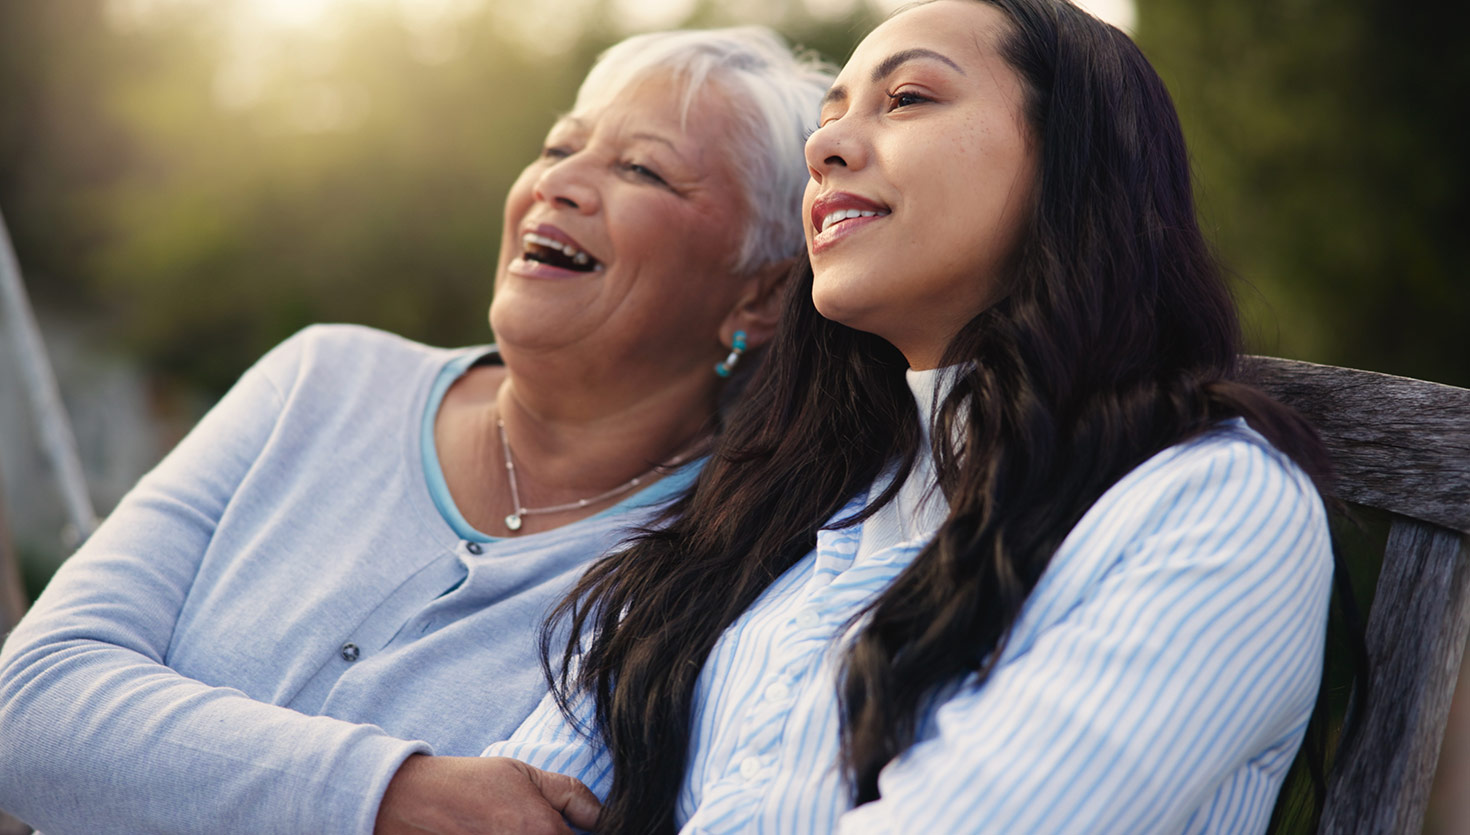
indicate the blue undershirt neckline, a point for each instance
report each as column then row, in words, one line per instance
column 657, row 492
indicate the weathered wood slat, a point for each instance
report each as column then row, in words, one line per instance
column 1399, row 444
column 1416, row 640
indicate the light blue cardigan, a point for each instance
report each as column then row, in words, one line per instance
column 278, row 615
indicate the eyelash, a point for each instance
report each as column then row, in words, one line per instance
column 896, row 97
column 644, row 172
column 556, row 152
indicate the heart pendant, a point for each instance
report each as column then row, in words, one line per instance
column 513, row 522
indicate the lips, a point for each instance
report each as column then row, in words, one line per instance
column 840, row 214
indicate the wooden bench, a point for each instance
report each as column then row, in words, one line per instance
column 1400, row 446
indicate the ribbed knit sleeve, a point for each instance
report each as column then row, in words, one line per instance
column 97, row 734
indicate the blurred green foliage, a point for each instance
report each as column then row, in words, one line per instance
column 206, row 188
column 1329, row 143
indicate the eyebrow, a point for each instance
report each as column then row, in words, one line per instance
column 889, row 65
column 582, row 124
column 653, row 137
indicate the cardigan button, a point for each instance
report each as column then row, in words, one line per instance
column 349, row 652
column 474, row 548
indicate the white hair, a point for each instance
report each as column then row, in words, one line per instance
column 776, row 94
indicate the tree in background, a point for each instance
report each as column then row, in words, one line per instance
column 207, row 193
column 1329, row 141
column 58, row 145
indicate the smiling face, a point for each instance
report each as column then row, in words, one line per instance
column 620, row 238
column 923, row 172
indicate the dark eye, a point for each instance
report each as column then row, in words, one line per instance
column 905, row 98
column 555, row 152
column 645, row 172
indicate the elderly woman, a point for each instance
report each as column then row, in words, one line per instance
column 345, row 564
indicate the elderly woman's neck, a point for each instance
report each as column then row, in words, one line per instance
column 611, row 422
column 570, row 441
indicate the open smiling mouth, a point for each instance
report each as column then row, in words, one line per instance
column 545, row 250
column 841, row 215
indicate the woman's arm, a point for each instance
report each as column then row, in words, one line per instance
column 1177, row 686
column 101, row 736
column 482, row 796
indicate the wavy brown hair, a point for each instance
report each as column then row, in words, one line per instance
column 1117, row 338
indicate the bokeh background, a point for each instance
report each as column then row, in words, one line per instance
column 187, row 182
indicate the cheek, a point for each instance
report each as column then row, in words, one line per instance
column 706, row 242
column 521, row 195
column 517, row 202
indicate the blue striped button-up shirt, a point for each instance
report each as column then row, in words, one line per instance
column 1159, row 679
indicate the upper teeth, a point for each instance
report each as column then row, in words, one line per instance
column 578, row 256
column 845, row 214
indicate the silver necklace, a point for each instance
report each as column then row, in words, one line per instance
column 514, row 520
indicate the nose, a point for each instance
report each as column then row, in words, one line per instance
column 834, row 145
column 564, row 184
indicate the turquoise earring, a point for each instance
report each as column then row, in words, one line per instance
column 737, row 347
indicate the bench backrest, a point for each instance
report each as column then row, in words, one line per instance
column 1402, row 446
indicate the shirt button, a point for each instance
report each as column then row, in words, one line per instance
column 778, row 692
column 807, row 619
column 349, row 652
column 750, row 767
column 474, row 548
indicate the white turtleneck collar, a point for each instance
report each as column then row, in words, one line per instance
column 924, row 385
column 919, row 508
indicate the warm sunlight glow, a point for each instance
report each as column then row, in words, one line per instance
column 1121, row 13
column 830, row 9
column 294, row 14
column 650, row 15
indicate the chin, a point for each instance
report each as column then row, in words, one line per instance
column 514, row 323
column 838, row 304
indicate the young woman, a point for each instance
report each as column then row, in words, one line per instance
column 999, row 544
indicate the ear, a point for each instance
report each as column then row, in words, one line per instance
column 758, row 308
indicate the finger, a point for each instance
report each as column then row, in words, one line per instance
column 567, row 795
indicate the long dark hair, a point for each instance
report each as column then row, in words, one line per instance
column 1117, row 338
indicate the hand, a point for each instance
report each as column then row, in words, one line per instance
column 482, row 796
